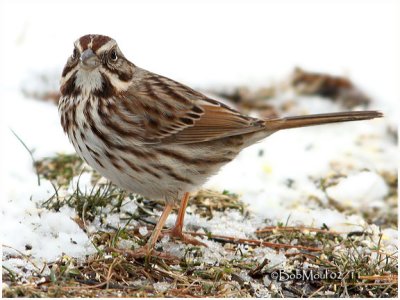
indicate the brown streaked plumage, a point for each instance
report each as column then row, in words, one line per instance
column 152, row 135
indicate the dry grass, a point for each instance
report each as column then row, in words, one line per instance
column 371, row 271
column 111, row 274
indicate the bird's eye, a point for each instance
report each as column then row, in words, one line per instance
column 74, row 54
column 113, row 55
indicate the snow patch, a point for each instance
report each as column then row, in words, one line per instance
column 365, row 189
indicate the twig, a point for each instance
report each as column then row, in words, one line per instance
column 392, row 277
column 257, row 270
column 294, row 228
column 253, row 242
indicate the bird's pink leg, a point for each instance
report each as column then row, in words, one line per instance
column 160, row 224
column 148, row 249
column 176, row 231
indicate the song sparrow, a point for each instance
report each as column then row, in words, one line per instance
column 152, row 135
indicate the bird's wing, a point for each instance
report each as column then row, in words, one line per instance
column 168, row 111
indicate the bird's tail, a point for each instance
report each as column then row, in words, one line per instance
column 310, row 120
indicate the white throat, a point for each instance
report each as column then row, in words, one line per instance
column 88, row 81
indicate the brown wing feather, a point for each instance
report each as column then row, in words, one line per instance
column 168, row 111
column 217, row 122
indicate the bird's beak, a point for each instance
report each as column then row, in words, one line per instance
column 89, row 59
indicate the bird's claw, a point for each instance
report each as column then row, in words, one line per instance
column 185, row 238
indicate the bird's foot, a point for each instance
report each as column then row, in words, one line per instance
column 177, row 234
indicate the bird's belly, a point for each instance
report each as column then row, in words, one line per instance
column 116, row 169
column 156, row 172
column 141, row 171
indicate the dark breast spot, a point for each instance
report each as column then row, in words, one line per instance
column 69, row 88
column 107, row 89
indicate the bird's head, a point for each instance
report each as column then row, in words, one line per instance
column 96, row 66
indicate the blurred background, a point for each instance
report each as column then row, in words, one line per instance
column 213, row 43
